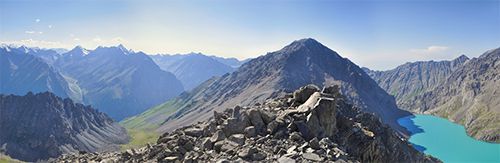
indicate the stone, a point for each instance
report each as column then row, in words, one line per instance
column 218, row 136
column 284, row 159
column 310, row 103
column 250, row 132
column 228, row 146
column 237, row 138
column 291, row 149
column 223, row 161
column 256, row 120
column 321, row 121
column 314, row 143
column 171, row 158
column 246, row 152
column 312, row 157
column 195, row 132
column 300, row 96
column 218, row 145
column 331, row 90
column 258, row 156
column 207, row 144
column 295, row 136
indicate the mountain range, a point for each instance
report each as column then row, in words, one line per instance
column 462, row 90
column 41, row 126
column 302, row 62
column 118, row 81
column 22, row 72
column 194, row 68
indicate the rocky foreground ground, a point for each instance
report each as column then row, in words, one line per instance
column 307, row 126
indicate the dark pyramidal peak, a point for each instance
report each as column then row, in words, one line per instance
column 118, row 81
column 308, row 126
column 40, row 126
column 301, row 63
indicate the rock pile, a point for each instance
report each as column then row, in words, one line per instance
column 307, row 126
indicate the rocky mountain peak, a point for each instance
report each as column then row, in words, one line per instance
column 303, row 45
column 77, row 51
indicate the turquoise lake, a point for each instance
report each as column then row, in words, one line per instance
column 448, row 141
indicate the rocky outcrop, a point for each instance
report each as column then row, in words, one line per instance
column 323, row 128
column 41, row 126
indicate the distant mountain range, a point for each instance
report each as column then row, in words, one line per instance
column 22, row 70
column 117, row 81
column 463, row 90
column 302, row 62
column 194, row 68
column 41, row 126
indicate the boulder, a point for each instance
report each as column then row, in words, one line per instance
column 300, row 96
column 195, row 132
column 321, row 121
column 312, row 157
column 218, row 136
column 310, row 103
column 237, row 138
column 256, row 120
column 250, row 132
column 314, row 143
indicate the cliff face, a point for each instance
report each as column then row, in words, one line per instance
column 470, row 96
column 40, row 126
column 412, row 79
column 308, row 126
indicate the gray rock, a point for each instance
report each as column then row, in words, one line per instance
column 312, row 157
column 246, row 152
column 284, row 159
column 303, row 93
column 218, row 136
column 207, row 144
column 314, row 143
column 195, row 132
column 295, row 136
column 256, row 120
column 250, row 131
column 237, row 138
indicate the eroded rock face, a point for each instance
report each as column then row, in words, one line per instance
column 40, row 126
column 277, row 131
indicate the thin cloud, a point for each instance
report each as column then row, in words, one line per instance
column 36, row 43
column 50, row 26
column 33, row 32
column 37, row 20
column 430, row 50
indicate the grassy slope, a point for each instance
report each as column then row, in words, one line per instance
column 142, row 127
column 7, row 159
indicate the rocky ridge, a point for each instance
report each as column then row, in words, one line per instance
column 41, row 126
column 307, row 126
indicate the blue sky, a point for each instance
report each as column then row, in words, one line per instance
column 376, row 34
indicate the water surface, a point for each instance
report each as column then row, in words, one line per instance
column 448, row 141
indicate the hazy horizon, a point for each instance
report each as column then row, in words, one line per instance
column 376, row 34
